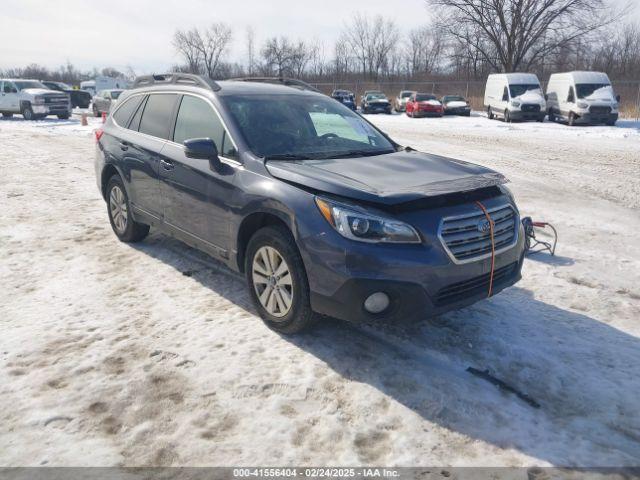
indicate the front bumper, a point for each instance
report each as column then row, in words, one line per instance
column 427, row 113
column 51, row 109
column 597, row 118
column 458, row 111
column 420, row 280
column 523, row 116
column 377, row 108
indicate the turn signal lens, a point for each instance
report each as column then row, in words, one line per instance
column 98, row 132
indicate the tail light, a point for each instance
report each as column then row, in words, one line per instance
column 98, row 132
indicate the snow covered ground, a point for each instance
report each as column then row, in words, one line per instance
column 113, row 354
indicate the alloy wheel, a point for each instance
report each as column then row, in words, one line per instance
column 118, row 208
column 272, row 281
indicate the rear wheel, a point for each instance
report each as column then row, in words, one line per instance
column 278, row 281
column 489, row 113
column 507, row 116
column 119, row 210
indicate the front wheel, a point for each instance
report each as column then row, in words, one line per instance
column 572, row 119
column 489, row 113
column 552, row 117
column 64, row 116
column 278, row 281
column 27, row 113
column 507, row 116
column 119, row 211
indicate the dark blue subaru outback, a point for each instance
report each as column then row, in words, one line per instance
column 322, row 212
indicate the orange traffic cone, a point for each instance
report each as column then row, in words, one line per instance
column 104, row 117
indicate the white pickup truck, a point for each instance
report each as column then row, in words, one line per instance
column 32, row 100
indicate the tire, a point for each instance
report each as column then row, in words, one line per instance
column 490, row 113
column 7, row 115
column 507, row 116
column 129, row 230
column 64, row 116
column 27, row 113
column 572, row 119
column 297, row 316
column 96, row 112
column 552, row 117
column 611, row 123
column 468, row 114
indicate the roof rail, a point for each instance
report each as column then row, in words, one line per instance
column 176, row 78
column 289, row 82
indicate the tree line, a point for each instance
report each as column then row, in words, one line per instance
column 465, row 40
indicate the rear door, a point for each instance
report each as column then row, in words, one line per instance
column 196, row 196
column 141, row 144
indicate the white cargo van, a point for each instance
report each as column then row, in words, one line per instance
column 582, row 97
column 514, row 96
column 103, row 83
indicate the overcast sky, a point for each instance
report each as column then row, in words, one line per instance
column 138, row 33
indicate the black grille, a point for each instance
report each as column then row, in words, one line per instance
column 466, row 241
column 460, row 290
column 530, row 108
column 600, row 110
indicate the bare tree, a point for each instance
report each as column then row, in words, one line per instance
column 278, row 54
column 423, row 50
column 515, row 34
column 186, row 43
column 371, row 41
column 251, row 61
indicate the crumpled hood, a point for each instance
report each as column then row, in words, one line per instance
column 387, row 179
column 531, row 96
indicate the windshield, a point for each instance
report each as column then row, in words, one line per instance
column 115, row 94
column 423, row 97
column 587, row 89
column 405, row 94
column 23, row 84
column 376, row 96
column 517, row 90
column 303, row 126
column 453, row 98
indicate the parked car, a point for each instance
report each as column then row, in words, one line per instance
column 376, row 103
column 401, row 100
column 514, row 96
column 321, row 211
column 32, row 100
column 79, row 98
column 103, row 101
column 456, row 105
column 582, row 98
column 424, row 105
column 345, row 97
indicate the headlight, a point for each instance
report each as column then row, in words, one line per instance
column 364, row 227
column 583, row 105
column 38, row 100
column 515, row 104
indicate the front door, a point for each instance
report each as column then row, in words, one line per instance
column 9, row 101
column 195, row 194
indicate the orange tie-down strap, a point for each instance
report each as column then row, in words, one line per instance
column 493, row 246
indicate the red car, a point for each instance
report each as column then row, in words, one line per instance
column 424, row 105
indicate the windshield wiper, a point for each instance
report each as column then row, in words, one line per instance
column 359, row 153
column 286, row 156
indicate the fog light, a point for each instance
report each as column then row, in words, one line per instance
column 376, row 302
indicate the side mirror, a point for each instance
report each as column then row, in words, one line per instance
column 618, row 98
column 204, row 149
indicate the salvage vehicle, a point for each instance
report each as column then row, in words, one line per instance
column 582, row 98
column 79, row 98
column 323, row 213
column 401, row 100
column 456, row 105
column 103, row 101
column 424, row 105
column 345, row 97
column 514, row 96
column 32, row 100
column 375, row 103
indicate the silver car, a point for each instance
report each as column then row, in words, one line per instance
column 401, row 100
column 104, row 100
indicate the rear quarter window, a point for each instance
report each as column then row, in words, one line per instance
column 124, row 112
column 156, row 117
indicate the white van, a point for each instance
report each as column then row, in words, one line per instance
column 104, row 83
column 582, row 97
column 514, row 96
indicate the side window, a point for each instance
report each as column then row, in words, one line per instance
column 505, row 95
column 228, row 150
column 572, row 95
column 135, row 121
column 124, row 111
column 196, row 119
column 157, row 115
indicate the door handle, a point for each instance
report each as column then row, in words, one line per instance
column 124, row 146
column 166, row 164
